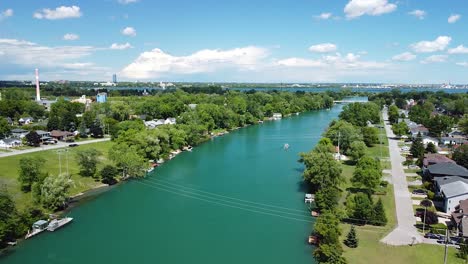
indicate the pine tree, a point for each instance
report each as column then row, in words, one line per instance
column 378, row 216
column 351, row 239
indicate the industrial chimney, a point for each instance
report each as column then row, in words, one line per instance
column 38, row 92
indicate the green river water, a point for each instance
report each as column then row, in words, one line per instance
column 234, row 199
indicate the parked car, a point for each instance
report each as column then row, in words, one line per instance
column 73, row 145
column 419, row 191
column 413, row 167
column 456, row 240
column 69, row 140
column 47, row 142
column 433, row 236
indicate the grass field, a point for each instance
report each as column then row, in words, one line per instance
column 10, row 170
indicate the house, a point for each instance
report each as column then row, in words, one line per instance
column 101, row 97
column 45, row 135
column 170, row 121
column 459, row 218
column 446, row 169
column 25, row 120
column 420, row 129
column 277, row 116
column 60, row 135
column 426, row 140
column 434, row 158
column 19, row 133
column 192, row 106
column 47, row 103
column 453, row 140
column 159, row 122
column 10, row 143
column 9, row 120
column 452, row 190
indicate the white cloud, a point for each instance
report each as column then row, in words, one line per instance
column 434, row 59
column 460, row 49
column 418, row 13
column 440, row 43
column 125, row 2
column 463, row 64
column 405, row 56
column 324, row 47
column 324, row 16
column 129, row 31
column 60, row 12
column 357, row 8
column 6, row 14
column 155, row 63
column 333, row 62
column 70, row 36
column 453, row 18
column 116, row 46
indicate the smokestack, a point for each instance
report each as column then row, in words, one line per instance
column 38, row 92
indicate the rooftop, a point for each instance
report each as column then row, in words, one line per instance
column 447, row 169
column 434, row 158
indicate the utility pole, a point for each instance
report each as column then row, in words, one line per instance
column 446, row 245
column 424, row 222
column 60, row 163
column 66, row 153
column 339, row 137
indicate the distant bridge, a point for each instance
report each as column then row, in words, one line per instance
column 348, row 102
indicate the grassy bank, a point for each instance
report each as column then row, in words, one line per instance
column 10, row 170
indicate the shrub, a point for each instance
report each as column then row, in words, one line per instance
column 430, row 195
column 384, row 183
column 438, row 229
column 431, row 218
column 427, row 185
column 351, row 239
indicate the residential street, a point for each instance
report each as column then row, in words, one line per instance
column 405, row 233
column 48, row 147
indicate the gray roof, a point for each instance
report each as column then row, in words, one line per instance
column 42, row 132
column 454, row 189
column 10, row 140
column 447, row 180
column 447, row 168
column 18, row 130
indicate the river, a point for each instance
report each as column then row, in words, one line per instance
column 234, row 199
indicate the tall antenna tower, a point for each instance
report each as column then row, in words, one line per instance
column 38, row 92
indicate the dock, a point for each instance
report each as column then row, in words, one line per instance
column 309, row 198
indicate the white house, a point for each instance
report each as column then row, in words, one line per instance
column 19, row 133
column 277, row 116
column 426, row 140
column 26, row 120
column 453, row 190
column 10, row 143
column 155, row 123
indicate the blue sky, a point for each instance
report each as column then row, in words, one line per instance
column 386, row 41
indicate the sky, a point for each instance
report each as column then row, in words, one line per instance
column 319, row 41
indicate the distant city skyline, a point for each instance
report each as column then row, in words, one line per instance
column 346, row 41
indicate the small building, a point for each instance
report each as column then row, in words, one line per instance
column 10, row 143
column 453, row 140
column 459, row 218
column 25, row 120
column 19, row 133
column 434, row 158
column 159, row 122
column 101, row 97
column 47, row 103
column 45, row 135
column 420, row 129
column 277, row 116
column 426, row 140
column 60, row 135
column 452, row 190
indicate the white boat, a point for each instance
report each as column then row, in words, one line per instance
column 57, row 223
column 150, row 169
column 37, row 227
column 286, row 146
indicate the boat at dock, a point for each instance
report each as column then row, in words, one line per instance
column 37, row 228
column 57, row 223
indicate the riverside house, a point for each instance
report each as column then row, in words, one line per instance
column 10, row 143
column 459, row 218
column 452, row 189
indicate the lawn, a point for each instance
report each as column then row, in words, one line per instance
column 10, row 170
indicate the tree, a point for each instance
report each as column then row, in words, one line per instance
column 327, row 229
column 54, row 192
column 30, row 172
column 88, row 159
column 343, row 133
column 463, row 250
column 351, row 239
column 431, row 148
column 378, row 215
column 400, row 129
column 127, row 159
column 370, row 135
column 96, row 129
column 417, row 148
column 460, row 155
column 53, row 123
column 4, row 127
column 33, row 139
column 463, row 124
column 357, row 150
column 393, row 114
column 359, row 114
column 7, row 218
column 108, row 174
column 439, row 124
column 367, row 174
column 362, row 207
column 431, row 218
column 321, row 169
column 327, row 198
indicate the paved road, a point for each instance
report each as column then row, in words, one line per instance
column 48, row 147
column 405, row 233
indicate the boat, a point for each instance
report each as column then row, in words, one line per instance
column 57, row 223
column 150, row 170
column 286, row 146
column 37, row 227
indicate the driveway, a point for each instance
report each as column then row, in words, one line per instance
column 48, row 147
column 405, row 232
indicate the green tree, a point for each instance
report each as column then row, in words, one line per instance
column 463, row 250
column 417, row 148
column 363, row 207
column 359, row 114
column 431, row 148
column 30, row 171
column 53, row 123
column 357, row 150
column 393, row 114
column 321, row 169
column 327, row 198
column 108, row 174
column 400, row 129
column 87, row 160
column 4, row 128
column 127, row 159
column 54, row 192
column 351, row 239
column 327, row 229
column 378, row 215
column 463, row 124
column 343, row 133
column 439, row 124
column 460, row 155
column 33, row 139
column 7, row 218
column 370, row 135
column 96, row 129
column 367, row 174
